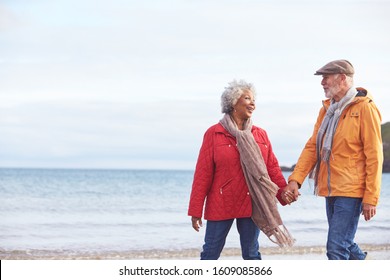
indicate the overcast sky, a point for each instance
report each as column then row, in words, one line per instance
column 135, row 84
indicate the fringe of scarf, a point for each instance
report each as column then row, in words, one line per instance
column 263, row 191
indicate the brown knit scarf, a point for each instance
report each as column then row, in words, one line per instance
column 263, row 191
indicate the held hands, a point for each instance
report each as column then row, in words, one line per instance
column 290, row 192
column 196, row 223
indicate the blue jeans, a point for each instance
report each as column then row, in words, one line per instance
column 217, row 231
column 343, row 217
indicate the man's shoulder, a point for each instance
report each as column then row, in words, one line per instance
column 364, row 101
column 361, row 92
column 363, row 96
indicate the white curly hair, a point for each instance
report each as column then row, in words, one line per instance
column 233, row 92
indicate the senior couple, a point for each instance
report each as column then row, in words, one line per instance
column 238, row 177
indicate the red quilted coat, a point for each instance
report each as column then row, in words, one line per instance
column 219, row 179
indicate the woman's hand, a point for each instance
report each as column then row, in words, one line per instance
column 196, row 223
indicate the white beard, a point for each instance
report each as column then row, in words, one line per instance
column 332, row 91
column 328, row 94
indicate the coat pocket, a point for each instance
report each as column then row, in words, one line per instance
column 224, row 188
column 226, row 195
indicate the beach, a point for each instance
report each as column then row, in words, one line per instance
column 375, row 252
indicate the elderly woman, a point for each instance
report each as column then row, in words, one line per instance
column 238, row 176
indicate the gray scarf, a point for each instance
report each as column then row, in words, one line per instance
column 263, row 191
column 326, row 132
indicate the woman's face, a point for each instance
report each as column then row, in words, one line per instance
column 245, row 105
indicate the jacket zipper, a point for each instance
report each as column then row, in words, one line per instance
column 328, row 163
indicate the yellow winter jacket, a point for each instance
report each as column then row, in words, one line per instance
column 355, row 164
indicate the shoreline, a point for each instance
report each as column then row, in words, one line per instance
column 375, row 252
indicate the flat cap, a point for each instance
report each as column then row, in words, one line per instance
column 340, row 66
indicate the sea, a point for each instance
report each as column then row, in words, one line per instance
column 136, row 214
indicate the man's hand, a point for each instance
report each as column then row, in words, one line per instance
column 368, row 211
column 292, row 187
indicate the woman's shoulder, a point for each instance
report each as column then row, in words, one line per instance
column 215, row 128
column 259, row 133
column 257, row 129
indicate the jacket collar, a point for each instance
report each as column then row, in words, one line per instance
column 220, row 129
column 360, row 96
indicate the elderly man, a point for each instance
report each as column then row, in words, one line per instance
column 344, row 156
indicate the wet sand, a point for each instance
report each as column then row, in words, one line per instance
column 375, row 252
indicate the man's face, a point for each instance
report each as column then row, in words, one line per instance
column 332, row 86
